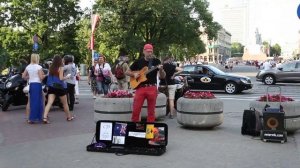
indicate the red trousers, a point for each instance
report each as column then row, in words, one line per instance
column 142, row 93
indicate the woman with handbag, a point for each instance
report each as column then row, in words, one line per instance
column 57, row 87
column 103, row 74
column 35, row 75
column 169, row 83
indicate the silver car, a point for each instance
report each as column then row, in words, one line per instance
column 288, row 73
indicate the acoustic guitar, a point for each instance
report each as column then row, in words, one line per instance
column 134, row 83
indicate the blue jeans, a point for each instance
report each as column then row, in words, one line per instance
column 102, row 87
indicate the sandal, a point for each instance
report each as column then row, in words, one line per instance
column 46, row 121
column 70, row 118
column 30, row 122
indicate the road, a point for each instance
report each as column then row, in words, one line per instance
column 62, row 144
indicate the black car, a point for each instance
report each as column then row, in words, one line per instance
column 207, row 77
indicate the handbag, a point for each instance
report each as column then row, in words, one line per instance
column 58, row 86
column 26, row 89
column 164, row 88
column 107, row 79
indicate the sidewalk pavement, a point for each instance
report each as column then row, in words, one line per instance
column 221, row 147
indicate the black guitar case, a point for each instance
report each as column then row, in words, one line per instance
column 122, row 137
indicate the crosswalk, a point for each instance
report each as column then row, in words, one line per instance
column 254, row 96
column 248, row 95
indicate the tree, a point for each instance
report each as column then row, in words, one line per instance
column 3, row 58
column 237, row 49
column 166, row 24
column 275, row 50
column 45, row 18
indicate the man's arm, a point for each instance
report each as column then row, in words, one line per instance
column 161, row 72
column 130, row 73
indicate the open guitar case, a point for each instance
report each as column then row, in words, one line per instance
column 122, row 137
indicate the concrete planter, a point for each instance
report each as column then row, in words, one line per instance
column 160, row 107
column 113, row 109
column 291, row 109
column 199, row 113
column 121, row 108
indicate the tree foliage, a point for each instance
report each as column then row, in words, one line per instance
column 237, row 49
column 167, row 24
column 53, row 21
column 172, row 26
column 275, row 50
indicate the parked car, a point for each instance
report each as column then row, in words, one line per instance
column 207, row 77
column 287, row 73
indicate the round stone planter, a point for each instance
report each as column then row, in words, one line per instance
column 121, row 108
column 291, row 109
column 199, row 113
column 160, row 107
column 113, row 109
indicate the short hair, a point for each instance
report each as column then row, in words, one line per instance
column 35, row 58
column 68, row 59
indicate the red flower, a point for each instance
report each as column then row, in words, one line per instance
column 198, row 95
column 275, row 98
column 119, row 94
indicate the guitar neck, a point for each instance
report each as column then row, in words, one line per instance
column 150, row 70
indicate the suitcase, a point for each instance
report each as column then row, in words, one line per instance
column 251, row 123
column 122, row 137
column 273, row 122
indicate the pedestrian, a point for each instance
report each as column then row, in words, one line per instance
column 69, row 68
column 147, row 89
column 230, row 65
column 92, row 78
column 267, row 65
column 171, row 71
column 77, row 79
column 34, row 73
column 104, row 76
column 57, row 87
column 120, row 70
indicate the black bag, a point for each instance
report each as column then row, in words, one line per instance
column 58, row 86
column 107, row 80
column 252, row 124
column 122, row 137
column 164, row 89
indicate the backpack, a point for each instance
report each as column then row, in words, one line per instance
column 119, row 72
column 251, row 123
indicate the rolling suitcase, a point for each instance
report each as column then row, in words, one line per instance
column 251, row 122
column 273, row 122
column 122, row 137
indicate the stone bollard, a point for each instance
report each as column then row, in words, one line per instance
column 199, row 113
column 291, row 110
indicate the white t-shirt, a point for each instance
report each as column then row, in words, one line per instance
column 267, row 65
column 33, row 71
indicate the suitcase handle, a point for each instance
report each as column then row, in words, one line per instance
column 279, row 88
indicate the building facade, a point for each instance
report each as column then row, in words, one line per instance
column 217, row 50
